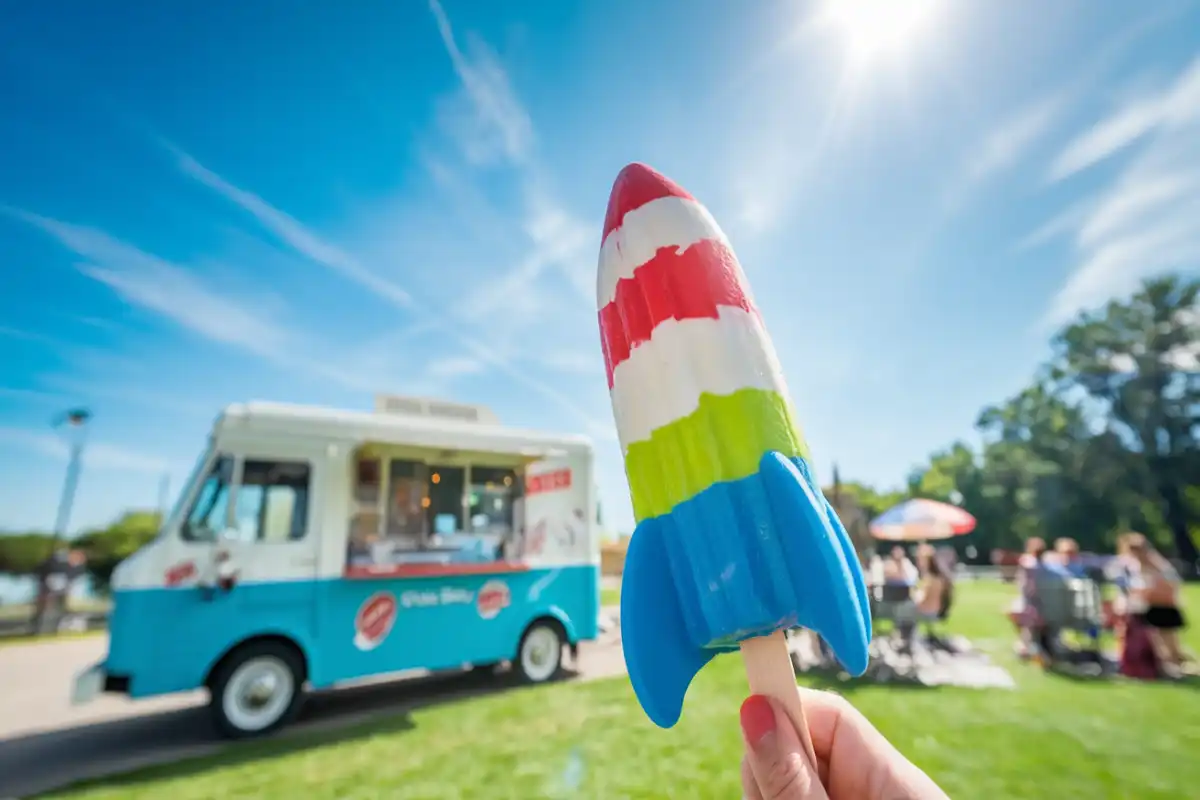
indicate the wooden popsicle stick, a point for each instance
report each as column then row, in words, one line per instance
column 770, row 672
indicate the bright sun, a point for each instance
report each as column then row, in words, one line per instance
column 874, row 30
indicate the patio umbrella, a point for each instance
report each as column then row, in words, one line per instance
column 921, row 521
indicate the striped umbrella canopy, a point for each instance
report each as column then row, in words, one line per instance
column 921, row 521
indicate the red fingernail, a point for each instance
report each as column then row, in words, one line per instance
column 758, row 718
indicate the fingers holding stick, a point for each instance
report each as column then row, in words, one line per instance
column 780, row 749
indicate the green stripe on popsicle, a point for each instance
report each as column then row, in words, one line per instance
column 722, row 440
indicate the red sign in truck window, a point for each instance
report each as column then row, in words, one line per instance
column 548, row 482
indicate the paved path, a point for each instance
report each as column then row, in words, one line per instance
column 46, row 743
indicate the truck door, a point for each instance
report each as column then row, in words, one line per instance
column 272, row 544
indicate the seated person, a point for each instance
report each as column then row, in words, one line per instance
column 898, row 569
column 1065, row 560
column 934, row 591
column 874, row 571
column 893, row 578
column 1023, row 613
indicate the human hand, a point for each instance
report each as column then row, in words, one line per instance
column 854, row 760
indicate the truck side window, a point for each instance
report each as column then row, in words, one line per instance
column 272, row 502
column 209, row 512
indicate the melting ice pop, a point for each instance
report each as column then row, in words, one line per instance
column 734, row 541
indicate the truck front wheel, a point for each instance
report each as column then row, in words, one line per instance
column 539, row 657
column 257, row 689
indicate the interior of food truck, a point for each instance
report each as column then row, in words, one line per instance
column 415, row 506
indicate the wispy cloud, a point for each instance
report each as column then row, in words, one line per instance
column 1147, row 220
column 490, row 125
column 999, row 150
column 172, row 292
column 145, row 280
column 318, row 250
column 1060, row 225
column 96, row 454
column 1016, row 137
column 1005, row 145
column 30, row 336
column 130, row 393
column 456, row 367
column 488, row 120
column 31, row 394
column 563, row 360
column 294, row 234
column 1175, row 107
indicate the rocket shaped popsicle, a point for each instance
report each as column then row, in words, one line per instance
column 734, row 539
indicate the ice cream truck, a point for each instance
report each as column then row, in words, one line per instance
column 314, row 547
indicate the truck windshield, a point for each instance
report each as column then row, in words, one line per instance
column 185, row 489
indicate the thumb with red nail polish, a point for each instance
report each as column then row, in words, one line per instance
column 776, row 765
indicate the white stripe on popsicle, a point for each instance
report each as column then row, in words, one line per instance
column 659, row 223
column 662, row 379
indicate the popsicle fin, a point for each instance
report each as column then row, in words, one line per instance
column 820, row 560
column 660, row 657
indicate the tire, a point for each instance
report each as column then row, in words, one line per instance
column 539, row 656
column 256, row 690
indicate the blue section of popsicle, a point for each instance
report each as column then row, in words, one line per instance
column 740, row 559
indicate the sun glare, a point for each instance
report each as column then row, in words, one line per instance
column 873, row 30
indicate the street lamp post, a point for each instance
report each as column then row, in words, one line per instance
column 75, row 420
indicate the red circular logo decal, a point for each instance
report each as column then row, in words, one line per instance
column 374, row 620
column 493, row 598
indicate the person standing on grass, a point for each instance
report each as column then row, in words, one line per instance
column 1155, row 601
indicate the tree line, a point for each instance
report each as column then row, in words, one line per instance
column 22, row 554
column 1104, row 439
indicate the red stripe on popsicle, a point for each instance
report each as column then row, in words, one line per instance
column 635, row 186
column 672, row 285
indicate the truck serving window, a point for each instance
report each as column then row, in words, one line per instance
column 444, row 513
column 491, row 497
column 272, row 501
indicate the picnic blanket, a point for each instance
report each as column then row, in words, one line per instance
column 953, row 662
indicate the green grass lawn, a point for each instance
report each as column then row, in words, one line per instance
column 1054, row 737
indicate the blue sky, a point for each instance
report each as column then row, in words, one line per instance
column 202, row 203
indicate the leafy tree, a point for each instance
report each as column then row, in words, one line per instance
column 23, row 553
column 107, row 547
column 1139, row 360
column 1104, row 440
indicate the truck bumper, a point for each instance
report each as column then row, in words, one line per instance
column 93, row 681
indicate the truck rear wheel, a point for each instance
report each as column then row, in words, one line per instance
column 539, row 656
column 257, row 689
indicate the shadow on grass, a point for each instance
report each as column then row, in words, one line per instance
column 1076, row 675
column 183, row 743
column 834, row 682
